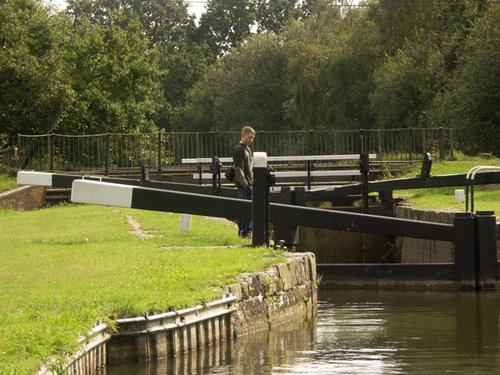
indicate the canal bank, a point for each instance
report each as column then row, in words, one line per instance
column 359, row 332
column 256, row 302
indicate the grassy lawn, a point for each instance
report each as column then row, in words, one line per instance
column 66, row 268
column 442, row 198
column 7, row 183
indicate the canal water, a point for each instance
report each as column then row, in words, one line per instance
column 361, row 332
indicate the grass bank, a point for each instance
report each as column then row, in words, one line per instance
column 65, row 268
column 7, row 183
column 444, row 198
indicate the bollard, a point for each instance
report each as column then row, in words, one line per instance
column 459, row 195
column 260, row 201
column 185, row 225
column 486, row 250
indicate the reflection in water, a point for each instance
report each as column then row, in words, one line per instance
column 252, row 354
column 361, row 332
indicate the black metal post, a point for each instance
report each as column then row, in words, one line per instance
column 200, row 170
column 442, row 147
column 144, row 164
column 51, row 153
column 159, row 154
column 106, row 155
column 387, row 199
column 308, row 166
column 364, row 168
column 425, row 170
column 464, row 241
column 300, row 196
column 486, row 250
column 216, row 168
column 14, row 162
column 260, row 207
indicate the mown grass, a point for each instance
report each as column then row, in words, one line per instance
column 7, row 183
column 65, row 268
column 444, row 198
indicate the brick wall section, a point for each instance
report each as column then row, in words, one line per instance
column 23, row 198
column 415, row 250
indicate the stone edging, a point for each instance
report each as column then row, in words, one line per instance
column 257, row 301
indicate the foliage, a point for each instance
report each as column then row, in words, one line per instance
column 131, row 65
column 469, row 102
column 406, row 83
column 163, row 21
column 183, row 66
column 272, row 15
column 168, row 31
column 115, row 79
column 254, row 86
column 33, row 82
column 226, row 25
column 85, row 267
column 198, row 114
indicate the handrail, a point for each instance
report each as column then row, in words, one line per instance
column 228, row 159
column 469, row 180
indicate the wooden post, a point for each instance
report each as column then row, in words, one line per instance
column 464, row 240
column 486, row 250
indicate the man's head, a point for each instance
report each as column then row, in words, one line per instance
column 247, row 135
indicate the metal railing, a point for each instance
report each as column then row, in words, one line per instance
column 102, row 153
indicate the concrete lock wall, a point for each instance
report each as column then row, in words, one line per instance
column 255, row 302
column 415, row 250
column 334, row 246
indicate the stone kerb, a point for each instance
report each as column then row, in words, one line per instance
column 282, row 293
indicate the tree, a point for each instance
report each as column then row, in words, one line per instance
column 469, row 102
column 115, row 77
column 169, row 29
column 162, row 21
column 248, row 85
column 225, row 25
column 272, row 15
column 183, row 66
column 198, row 113
column 347, row 80
column 407, row 83
column 35, row 89
column 331, row 57
column 254, row 86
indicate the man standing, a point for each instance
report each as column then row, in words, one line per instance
column 243, row 174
